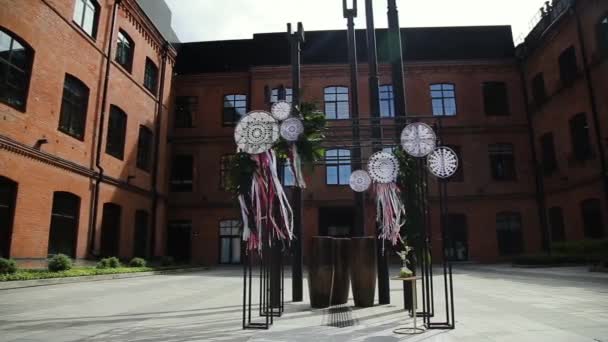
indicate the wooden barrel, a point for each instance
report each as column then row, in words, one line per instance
column 341, row 271
column 320, row 271
column 363, row 270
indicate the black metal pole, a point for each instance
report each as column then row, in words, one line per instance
column 295, row 40
column 350, row 14
column 396, row 59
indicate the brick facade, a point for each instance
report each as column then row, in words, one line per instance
column 68, row 164
column 479, row 201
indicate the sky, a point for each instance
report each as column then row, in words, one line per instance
column 203, row 20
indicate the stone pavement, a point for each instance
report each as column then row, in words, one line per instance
column 493, row 303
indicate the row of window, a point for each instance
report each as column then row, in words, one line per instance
column 580, row 142
column 74, row 102
column 17, row 57
column 86, row 16
column 568, row 65
column 64, row 222
column 337, row 106
column 591, row 212
column 338, row 167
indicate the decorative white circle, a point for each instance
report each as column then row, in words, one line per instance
column 383, row 167
column 280, row 110
column 360, row 180
column 291, row 129
column 418, row 139
column 256, row 132
column 443, row 162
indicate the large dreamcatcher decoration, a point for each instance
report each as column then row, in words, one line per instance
column 255, row 134
column 291, row 129
column 383, row 168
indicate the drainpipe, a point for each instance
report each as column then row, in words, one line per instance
column 538, row 177
column 157, row 126
column 104, row 99
column 592, row 102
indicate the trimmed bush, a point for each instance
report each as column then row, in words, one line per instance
column 167, row 261
column 7, row 266
column 548, row 260
column 111, row 262
column 137, row 262
column 593, row 250
column 59, row 262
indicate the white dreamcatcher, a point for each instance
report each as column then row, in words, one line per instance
column 443, row 162
column 418, row 139
column 383, row 168
column 255, row 134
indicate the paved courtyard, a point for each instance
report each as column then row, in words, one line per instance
column 493, row 303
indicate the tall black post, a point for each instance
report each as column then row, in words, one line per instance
column 396, row 59
column 374, row 106
column 350, row 14
column 295, row 40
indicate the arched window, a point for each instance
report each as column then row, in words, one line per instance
column 387, row 101
column 274, row 95
column 117, row 129
column 86, row 15
column 8, row 197
column 337, row 166
column 64, row 224
column 74, row 107
column 336, row 103
column 110, row 229
column 140, row 238
column 509, row 233
column 602, row 35
column 124, row 50
column 230, row 242
column 556, row 224
column 16, row 58
column 443, row 99
column 235, row 107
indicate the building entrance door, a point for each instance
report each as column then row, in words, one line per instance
column 457, row 246
column 8, row 193
column 179, row 240
column 336, row 221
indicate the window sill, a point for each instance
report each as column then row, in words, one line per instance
column 81, row 139
column 92, row 38
column 121, row 158
column 19, row 109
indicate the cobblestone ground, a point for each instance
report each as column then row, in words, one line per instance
column 493, row 303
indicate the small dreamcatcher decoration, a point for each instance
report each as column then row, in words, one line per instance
column 418, row 139
column 383, row 168
column 443, row 162
column 291, row 129
column 255, row 135
column 360, row 181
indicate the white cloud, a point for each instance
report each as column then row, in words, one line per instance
column 202, row 20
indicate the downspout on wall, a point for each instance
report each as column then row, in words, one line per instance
column 538, row 177
column 155, row 163
column 100, row 171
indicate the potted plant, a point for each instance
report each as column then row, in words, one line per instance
column 405, row 271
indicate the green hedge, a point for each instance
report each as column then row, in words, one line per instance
column 569, row 252
column 591, row 249
column 7, row 266
column 74, row 272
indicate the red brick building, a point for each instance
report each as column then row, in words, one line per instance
column 83, row 111
column 566, row 76
column 75, row 178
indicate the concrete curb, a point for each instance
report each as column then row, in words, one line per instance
column 18, row 284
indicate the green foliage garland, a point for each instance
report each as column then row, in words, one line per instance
column 241, row 168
